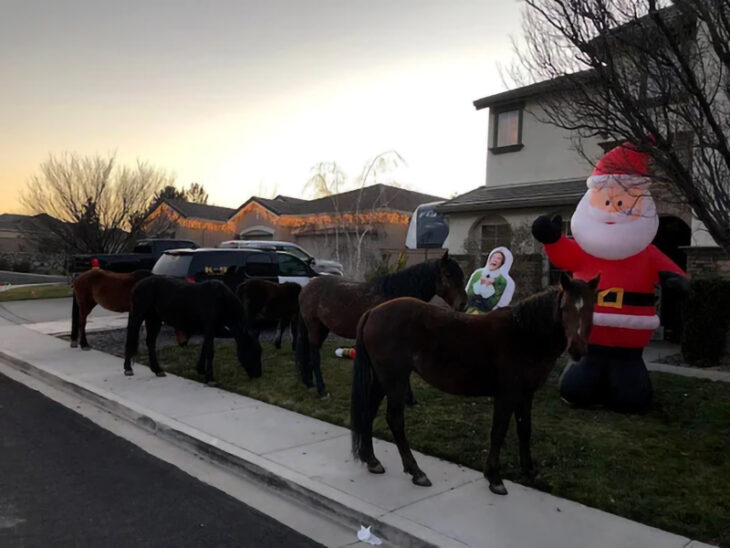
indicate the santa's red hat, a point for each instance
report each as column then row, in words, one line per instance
column 624, row 166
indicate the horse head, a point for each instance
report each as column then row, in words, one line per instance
column 576, row 312
column 450, row 282
column 248, row 350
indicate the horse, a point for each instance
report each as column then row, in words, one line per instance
column 273, row 301
column 208, row 308
column 110, row 290
column 507, row 354
column 329, row 303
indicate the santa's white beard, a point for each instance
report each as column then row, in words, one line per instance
column 628, row 236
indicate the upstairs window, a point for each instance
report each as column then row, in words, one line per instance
column 507, row 134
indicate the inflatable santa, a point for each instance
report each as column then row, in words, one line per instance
column 613, row 226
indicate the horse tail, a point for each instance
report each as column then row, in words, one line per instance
column 74, row 317
column 362, row 384
column 302, row 348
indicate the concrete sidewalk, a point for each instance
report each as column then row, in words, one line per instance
column 310, row 460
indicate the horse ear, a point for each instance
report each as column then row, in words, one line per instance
column 565, row 281
column 445, row 256
column 593, row 283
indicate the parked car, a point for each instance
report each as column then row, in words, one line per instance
column 143, row 257
column 233, row 266
column 321, row 266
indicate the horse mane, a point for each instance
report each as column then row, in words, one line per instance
column 418, row 281
column 536, row 318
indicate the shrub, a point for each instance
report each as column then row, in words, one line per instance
column 23, row 265
column 384, row 266
column 706, row 321
column 4, row 264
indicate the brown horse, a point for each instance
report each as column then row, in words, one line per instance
column 271, row 300
column 329, row 303
column 110, row 290
column 507, row 354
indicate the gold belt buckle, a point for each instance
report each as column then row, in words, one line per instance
column 619, row 303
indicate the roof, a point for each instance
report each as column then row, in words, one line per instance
column 200, row 211
column 533, row 90
column 378, row 196
column 9, row 221
column 547, row 193
column 370, row 197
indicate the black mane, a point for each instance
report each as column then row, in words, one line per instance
column 418, row 281
column 537, row 319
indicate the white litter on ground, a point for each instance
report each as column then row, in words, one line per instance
column 364, row 535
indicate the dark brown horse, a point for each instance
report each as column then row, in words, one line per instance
column 329, row 303
column 271, row 301
column 110, row 290
column 506, row 354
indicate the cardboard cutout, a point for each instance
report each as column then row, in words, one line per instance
column 613, row 226
column 491, row 287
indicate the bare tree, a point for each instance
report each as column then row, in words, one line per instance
column 196, row 193
column 629, row 69
column 352, row 224
column 90, row 204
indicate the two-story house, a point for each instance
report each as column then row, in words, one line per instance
column 534, row 168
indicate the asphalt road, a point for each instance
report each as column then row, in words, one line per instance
column 19, row 278
column 66, row 482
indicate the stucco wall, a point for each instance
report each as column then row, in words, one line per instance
column 547, row 154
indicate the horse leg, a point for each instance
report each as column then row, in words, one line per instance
column 134, row 322
column 410, row 398
column 200, row 365
column 279, row 332
column 366, row 453
column 207, row 354
column 293, row 324
column 85, row 309
column 152, row 326
column 503, row 408
column 316, row 362
column 396, row 422
column 523, row 416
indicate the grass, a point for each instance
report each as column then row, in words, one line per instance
column 36, row 292
column 669, row 468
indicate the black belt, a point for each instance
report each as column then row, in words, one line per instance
column 616, row 297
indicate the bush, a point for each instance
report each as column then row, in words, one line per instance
column 384, row 267
column 706, row 321
column 23, row 265
column 4, row 264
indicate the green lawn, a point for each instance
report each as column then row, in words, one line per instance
column 669, row 468
column 36, row 292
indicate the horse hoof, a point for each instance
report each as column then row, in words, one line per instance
column 376, row 468
column 212, row 384
column 422, row 480
column 323, row 395
column 85, row 348
column 128, row 372
column 498, row 488
column 160, row 374
column 74, row 344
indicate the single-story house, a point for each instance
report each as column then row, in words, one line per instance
column 373, row 220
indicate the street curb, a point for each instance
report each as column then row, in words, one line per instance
column 337, row 505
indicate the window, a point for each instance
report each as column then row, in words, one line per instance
column 495, row 232
column 259, row 265
column 291, row 266
column 507, row 135
column 298, row 253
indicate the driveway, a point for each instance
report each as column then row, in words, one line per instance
column 20, row 278
column 43, row 310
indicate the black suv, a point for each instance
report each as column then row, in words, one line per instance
column 233, row 266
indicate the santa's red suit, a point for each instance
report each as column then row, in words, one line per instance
column 624, row 313
column 613, row 227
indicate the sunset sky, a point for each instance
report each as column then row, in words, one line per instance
column 246, row 96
